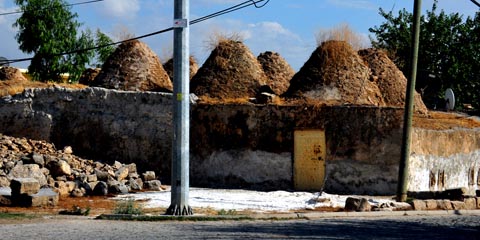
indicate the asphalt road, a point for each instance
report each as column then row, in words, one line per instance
column 403, row 227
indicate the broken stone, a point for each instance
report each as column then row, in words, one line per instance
column 352, row 204
column 153, row 185
column 101, row 175
column 59, row 168
column 101, row 189
column 148, row 176
column 121, row 173
column 135, row 185
column 92, row 178
column 132, row 168
column 78, row 192
column 67, row 150
column 38, row 159
column 28, row 186
column 364, row 206
column 28, row 171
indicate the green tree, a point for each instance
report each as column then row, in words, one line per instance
column 104, row 52
column 47, row 28
column 448, row 54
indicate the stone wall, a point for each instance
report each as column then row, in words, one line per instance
column 242, row 146
column 98, row 123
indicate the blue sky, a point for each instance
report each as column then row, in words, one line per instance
column 284, row 26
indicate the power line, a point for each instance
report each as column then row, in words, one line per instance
column 43, row 9
column 476, row 3
column 195, row 21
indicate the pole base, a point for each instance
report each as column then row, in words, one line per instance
column 176, row 210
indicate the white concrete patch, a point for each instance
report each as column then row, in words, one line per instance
column 218, row 199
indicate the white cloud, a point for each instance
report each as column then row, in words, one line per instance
column 121, row 8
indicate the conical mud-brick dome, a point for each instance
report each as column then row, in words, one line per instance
column 11, row 73
column 133, row 67
column 335, row 74
column 389, row 79
column 278, row 71
column 168, row 66
column 231, row 71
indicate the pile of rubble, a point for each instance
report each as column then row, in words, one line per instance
column 65, row 173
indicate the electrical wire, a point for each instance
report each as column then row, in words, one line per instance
column 475, row 2
column 195, row 21
column 43, row 9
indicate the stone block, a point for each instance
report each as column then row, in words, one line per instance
column 458, row 205
column 24, row 186
column 470, row 203
column 365, row 206
column 431, row 204
column 45, row 197
column 444, row 204
column 419, row 205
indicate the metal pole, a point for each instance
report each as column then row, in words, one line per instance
column 402, row 187
column 181, row 112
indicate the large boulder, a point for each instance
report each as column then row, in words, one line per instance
column 133, row 67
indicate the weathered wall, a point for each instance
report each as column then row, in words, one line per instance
column 98, row 123
column 247, row 146
column 445, row 159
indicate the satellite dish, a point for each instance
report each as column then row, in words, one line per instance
column 449, row 99
column 3, row 62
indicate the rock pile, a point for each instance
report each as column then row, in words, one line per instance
column 133, row 67
column 11, row 73
column 278, row 71
column 231, row 71
column 335, row 74
column 66, row 173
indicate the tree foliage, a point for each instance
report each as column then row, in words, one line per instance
column 448, row 55
column 48, row 29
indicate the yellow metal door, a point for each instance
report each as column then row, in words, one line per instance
column 309, row 160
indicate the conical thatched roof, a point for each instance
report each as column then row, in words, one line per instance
column 278, row 71
column 231, row 71
column 336, row 74
column 389, row 79
column 168, row 66
column 133, row 67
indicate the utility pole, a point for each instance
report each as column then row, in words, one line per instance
column 181, row 112
column 402, row 187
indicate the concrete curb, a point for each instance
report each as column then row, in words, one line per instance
column 285, row 216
